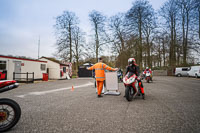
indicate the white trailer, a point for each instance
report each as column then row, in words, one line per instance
column 22, row 66
column 57, row 69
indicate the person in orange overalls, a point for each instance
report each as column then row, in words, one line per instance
column 100, row 74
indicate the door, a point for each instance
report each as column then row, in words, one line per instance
column 17, row 69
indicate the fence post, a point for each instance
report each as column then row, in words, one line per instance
column 33, row 77
column 13, row 75
column 27, row 77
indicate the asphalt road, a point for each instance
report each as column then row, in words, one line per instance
column 172, row 105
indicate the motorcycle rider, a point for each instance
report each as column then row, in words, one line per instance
column 120, row 74
column 146, row 70
column 134, row 68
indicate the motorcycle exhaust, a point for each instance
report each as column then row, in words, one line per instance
column 9, row 87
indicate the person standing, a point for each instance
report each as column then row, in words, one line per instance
column 100, row 74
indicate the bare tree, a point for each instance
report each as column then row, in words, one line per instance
column 169, row 12
column 137, row 17
column 148, row 30
column 64, row 28
column 79, row 42
column 119, row 35
column 98, row 22
column 186, row 8
column 197, row 15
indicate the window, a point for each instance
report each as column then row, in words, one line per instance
column 185, row 69
column 64, row 69
column 43, row 67
column 2, row 65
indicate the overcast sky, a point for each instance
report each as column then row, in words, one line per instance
column 23, row 21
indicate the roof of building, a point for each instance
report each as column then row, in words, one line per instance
column 88, row 64
column 21, row 58
column 54, row 60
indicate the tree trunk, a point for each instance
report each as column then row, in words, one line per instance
column 174, row 40
column 186, row 38
column 140, row 42
column 183, row 34
column 163, row 51
column 70, row 43
column 148, row 51
column 199, row 22
column 77, row 55
column 171, row 44
column 97, row 42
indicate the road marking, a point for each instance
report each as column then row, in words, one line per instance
column 37, row 93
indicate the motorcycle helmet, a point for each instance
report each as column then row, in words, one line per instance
column 147, row 67
column 131, row 61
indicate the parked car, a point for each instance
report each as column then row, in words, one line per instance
column 194, row 71
column 181, row 71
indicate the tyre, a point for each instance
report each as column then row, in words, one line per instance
column 179, row 75
column 128, row 93
column 122, row 80
column 148, row 80
column 10, row 113
column 196, row 76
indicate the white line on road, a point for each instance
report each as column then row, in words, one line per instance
column 52, row 91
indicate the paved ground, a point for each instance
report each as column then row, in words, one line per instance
column 172, row 105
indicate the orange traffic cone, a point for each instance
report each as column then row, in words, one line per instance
column 72, row 88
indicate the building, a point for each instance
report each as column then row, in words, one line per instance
column 21, row 68
column 57, row 69
column 83, row 72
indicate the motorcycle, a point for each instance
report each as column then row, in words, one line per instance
column 143, row 75
column 148, row 76
column 10, row 111
column 132, row 89
column 120, row 76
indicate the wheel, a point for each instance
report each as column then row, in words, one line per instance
column 129, row 93
column 147, row 80
column 10, row 113
column 121, row 79
column 179, row 75
column 196, row 75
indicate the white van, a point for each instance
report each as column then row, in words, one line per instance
column 181, row 71
column 194, row 71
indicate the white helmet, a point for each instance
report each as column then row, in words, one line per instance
column 147, row 67
column 131, row 61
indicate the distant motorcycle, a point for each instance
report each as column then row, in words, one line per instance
column 10, row 111
column 148, row 76
column 132, row 89
column 143, row 75
column 120, row 76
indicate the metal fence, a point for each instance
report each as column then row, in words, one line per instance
column 24, row 77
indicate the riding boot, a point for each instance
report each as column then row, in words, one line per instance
column 143, row 96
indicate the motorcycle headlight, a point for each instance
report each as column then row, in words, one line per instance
column 128, row 80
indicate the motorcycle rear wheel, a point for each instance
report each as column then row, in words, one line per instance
column 128, row 95
column 10, row 113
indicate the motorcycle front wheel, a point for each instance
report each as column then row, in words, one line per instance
column 10, row 113
column 128, row 93
column 147, row 79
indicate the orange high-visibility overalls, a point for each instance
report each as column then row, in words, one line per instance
column 100, row 74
